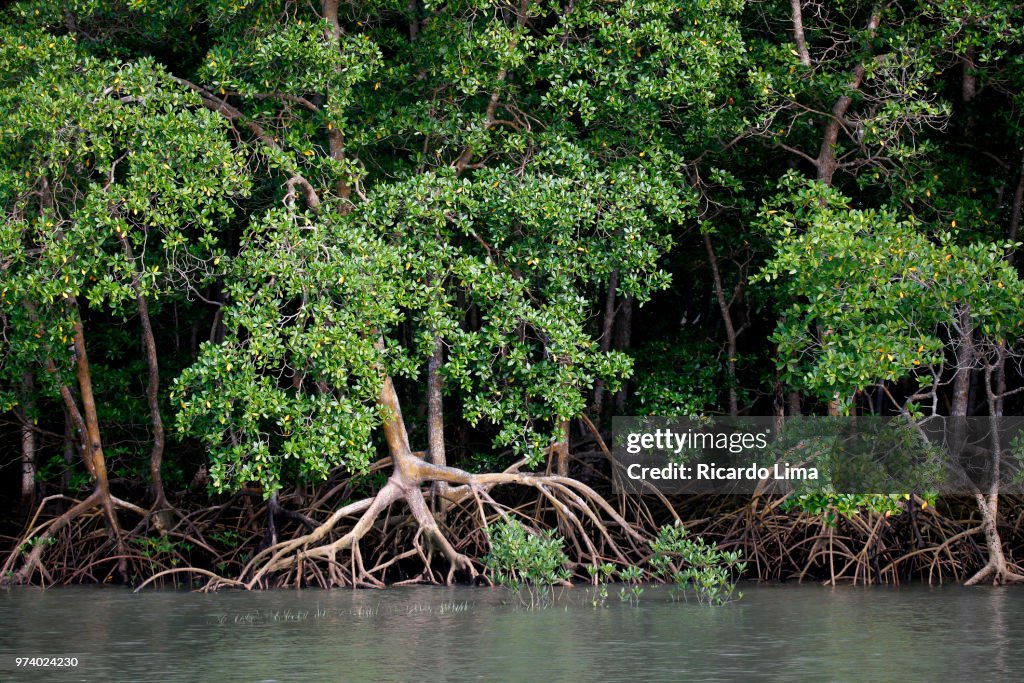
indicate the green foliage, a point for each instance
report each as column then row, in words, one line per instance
column 463, row 208
column 683, row 378
column 116, row 184
column 330, row 199
column 631, row 592
column 833, row 506
column 600, row 575
column 691, row 564
column 229, row 538
column 872, row 297
column 33, row 541
column 164, row 548
column 528, row 564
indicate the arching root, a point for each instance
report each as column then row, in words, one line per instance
column 998, row 573
column 582, row 514
column 39, row 537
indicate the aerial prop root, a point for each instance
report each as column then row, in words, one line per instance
column 997, row 571
column 574, row 503
column 39, row 536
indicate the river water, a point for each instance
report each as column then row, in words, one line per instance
column 777, row 633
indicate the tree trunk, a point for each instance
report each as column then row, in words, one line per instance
column 793, row 401
column 607, row 328
column 335, row 139
column 730, row 329
column 69, row 451
column 156, row 454
column 623, row 338
column 92, row 445
column 826, row 162
column 965, row 358
column 798, row 32
column 1016, row 209
column 435, row 418
column 560, row 451
column 987, row 501
column 969, row 83
column 28, row 442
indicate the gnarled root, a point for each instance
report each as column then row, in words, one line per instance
column 583, row 516
column 39, row 537
column 999, row 573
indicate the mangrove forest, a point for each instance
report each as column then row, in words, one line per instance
column 313, row 294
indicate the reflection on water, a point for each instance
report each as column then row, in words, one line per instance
column 783, row 633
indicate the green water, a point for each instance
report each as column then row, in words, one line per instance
column 778, row 633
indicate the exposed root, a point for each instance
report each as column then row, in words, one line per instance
column 584, row 517
column 38, row 537
column 221, row 581
column 393, row 537
column 998, row 572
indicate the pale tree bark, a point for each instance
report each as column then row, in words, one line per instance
column 967, row 355
column 798, row 32
column 997, row 569
column 435, row 417
column 28, row 441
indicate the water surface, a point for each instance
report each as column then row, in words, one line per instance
column 776, row 633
